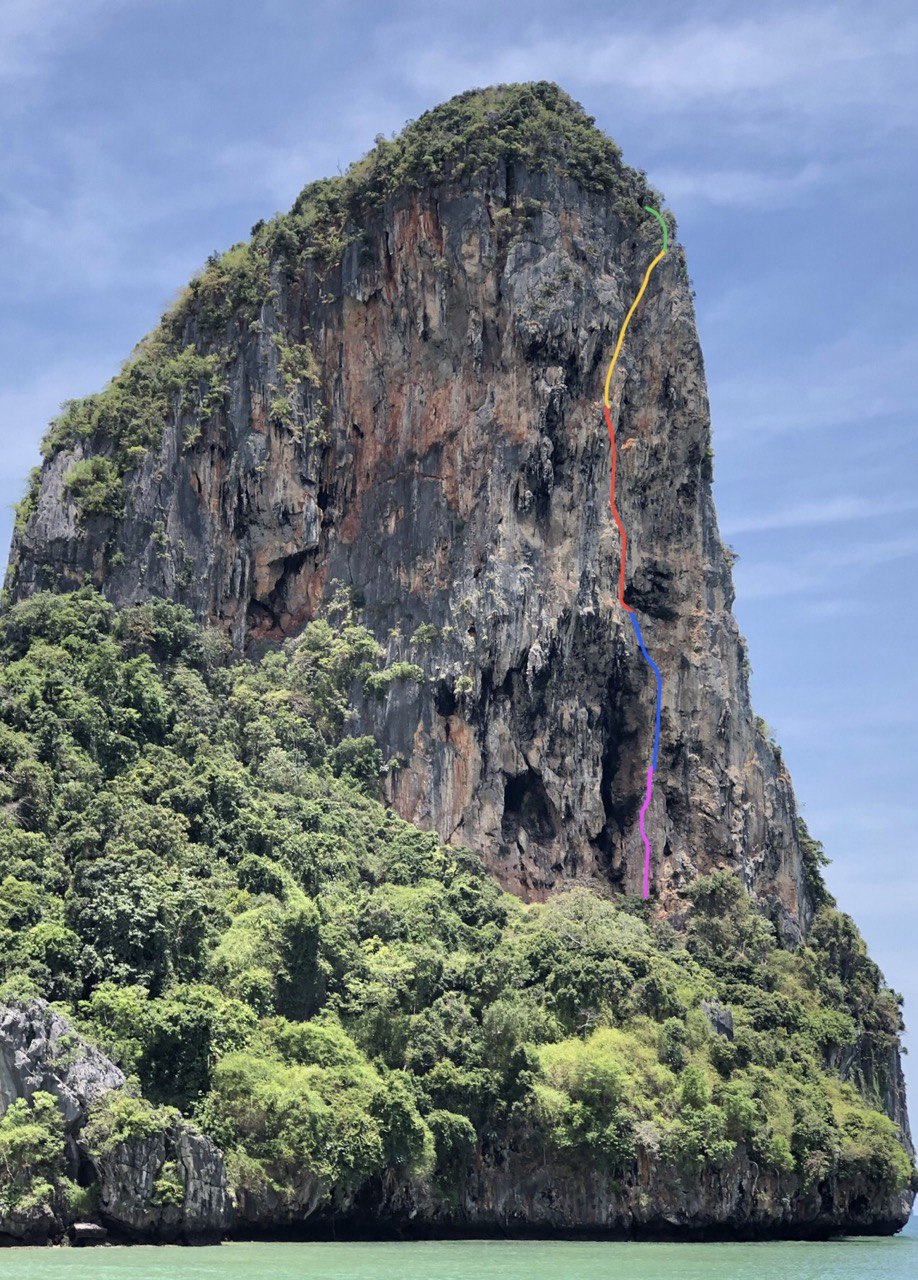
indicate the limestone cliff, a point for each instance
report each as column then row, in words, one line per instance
column 412, row 411
column 395, row 390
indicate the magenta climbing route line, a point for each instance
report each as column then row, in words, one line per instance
column 647, row 794
column 656, row 748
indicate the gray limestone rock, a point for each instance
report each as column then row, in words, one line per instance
column 39, row 1050
column 88, row 1233
column 720, row 1017
column 131, row 1204
column 462, row 482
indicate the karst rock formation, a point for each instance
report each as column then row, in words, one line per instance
column 407, row 406
column 390, row 400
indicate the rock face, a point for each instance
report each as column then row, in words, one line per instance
column 128, row 1200
column 507, row 1191
column 39, row 1050
column 461, row 345
column 739, row 1200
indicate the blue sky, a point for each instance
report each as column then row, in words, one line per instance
column 136, row 136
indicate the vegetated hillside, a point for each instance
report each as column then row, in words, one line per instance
column 194, row 868
column 364, row 450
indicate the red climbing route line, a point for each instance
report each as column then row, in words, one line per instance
column 616, row 517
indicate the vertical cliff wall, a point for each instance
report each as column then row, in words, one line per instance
column 396, row 389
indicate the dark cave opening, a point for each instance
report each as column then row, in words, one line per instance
column 528, row 808
column 445, row 700
column 620, row 801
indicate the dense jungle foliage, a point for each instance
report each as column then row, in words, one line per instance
column 194, row 866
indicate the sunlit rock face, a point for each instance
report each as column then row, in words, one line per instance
column 444, row 458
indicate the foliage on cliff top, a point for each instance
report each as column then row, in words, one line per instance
column 193, row 861
column 535, row 124
column 127, row 417
column 177, row 370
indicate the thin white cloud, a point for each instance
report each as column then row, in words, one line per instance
column 26, row 409
column 283, row 166
column 827, row 719
column 845, row 820
column 822, row 610
column 834, row 510
column 33, row 32
column 736, row 188
column 279, row 170
column 814, row 62
column 819, row 569
column 77, row 216
column 853, row 379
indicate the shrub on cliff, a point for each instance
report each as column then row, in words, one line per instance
column 31, row 1156
column 119, row 1117
column 95, row 485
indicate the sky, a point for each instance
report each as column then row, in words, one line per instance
column 138, row 136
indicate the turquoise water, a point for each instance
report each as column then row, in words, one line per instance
column 864, row 1258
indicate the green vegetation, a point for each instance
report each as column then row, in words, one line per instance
column 194, row 864
column 378, row 682
column 535, row 125
column 298, row 407
column 31, row 1155
column 297, row 363
column 29, row 501
column 121, row 1117
column 168, row 1185
column 127, row 418
column 96, row 487
column 814, row 859
column 119, row 424
column 425, row 634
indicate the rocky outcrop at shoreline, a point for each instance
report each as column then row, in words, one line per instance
column 171, row 1185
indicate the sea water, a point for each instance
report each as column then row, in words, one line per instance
column 854, row 1258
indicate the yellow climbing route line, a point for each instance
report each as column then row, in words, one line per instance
column 624, row 329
